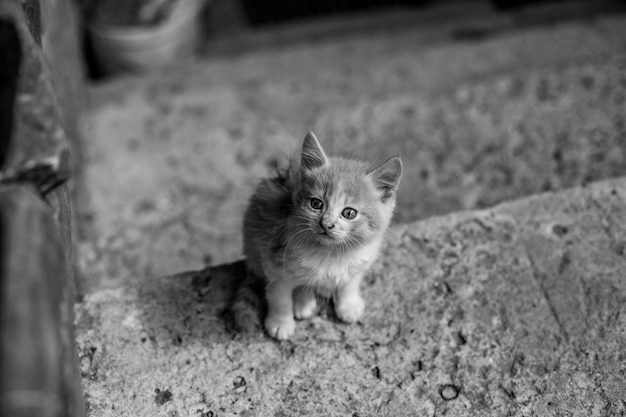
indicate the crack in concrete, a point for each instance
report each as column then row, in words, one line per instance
column 584, row 299
column 564, row 266
column 540, row 277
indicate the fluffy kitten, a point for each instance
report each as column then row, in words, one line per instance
column 316, row 227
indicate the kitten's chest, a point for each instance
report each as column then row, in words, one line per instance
column 331, row 270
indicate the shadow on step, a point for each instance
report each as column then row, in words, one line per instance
column 191, row 306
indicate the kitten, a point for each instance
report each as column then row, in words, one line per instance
column 316, row 227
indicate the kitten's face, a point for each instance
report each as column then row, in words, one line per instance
column 338, row 205
column 342, row 203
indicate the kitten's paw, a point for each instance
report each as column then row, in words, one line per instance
column 305, row 307
column 350, row 310
column 280, row 328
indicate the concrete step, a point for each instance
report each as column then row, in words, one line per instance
column 515, row 310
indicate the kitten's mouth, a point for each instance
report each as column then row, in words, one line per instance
column 327, row 238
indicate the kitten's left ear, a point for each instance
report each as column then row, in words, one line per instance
column 313, row 155
column 387, row 176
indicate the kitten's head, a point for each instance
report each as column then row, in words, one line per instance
column 341, row 202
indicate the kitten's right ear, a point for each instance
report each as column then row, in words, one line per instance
column 313, row 155
column 387, row 176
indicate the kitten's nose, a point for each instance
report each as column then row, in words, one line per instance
column 326, row 224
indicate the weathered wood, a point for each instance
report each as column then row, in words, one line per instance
column 37, row 353
column 42, row 141
column 61, row 45
column 38, row 359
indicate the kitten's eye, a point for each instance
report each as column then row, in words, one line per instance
column 316, row 204
column 349, row 213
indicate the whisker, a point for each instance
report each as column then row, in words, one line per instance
column 299, row 238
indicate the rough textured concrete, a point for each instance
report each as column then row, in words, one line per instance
column 517, row 310
column 512, row 310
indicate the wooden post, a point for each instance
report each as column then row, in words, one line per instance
column 38, row 354
column 38, row 358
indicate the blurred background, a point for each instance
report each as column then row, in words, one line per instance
column 191, row 102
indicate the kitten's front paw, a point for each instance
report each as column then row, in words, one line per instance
column 350, row 309
column 280, row 328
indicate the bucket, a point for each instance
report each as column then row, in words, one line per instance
column 146, row 47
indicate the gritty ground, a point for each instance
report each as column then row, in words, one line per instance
column 515, row 309
column 518, row 310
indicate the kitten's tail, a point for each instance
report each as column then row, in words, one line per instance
column 247, row 306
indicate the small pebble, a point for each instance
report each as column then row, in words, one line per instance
column 559, row 230
column 458, row 339
column 162, row 397
column 240, row 385
column 239, row 382
column 449, row 392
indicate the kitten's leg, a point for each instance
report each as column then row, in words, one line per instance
column 304, row 303
column 348, row 302
column 279, row 322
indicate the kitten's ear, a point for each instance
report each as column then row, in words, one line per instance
column 313, row 155
column 387, row 176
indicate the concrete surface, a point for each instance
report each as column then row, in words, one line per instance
column 518, row 310
column 514, row 310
